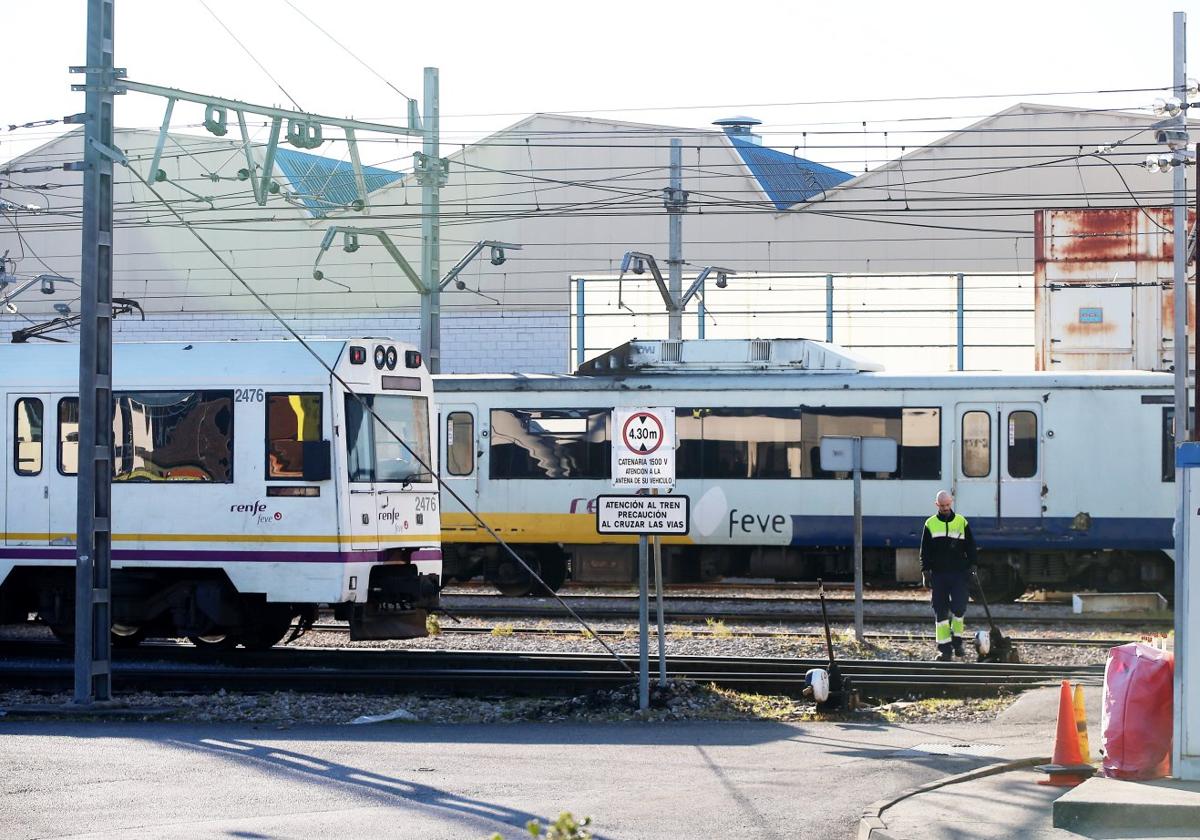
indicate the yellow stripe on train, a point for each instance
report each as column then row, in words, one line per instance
column 577, row 528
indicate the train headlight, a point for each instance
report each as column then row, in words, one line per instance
column 358, row 355
column 412, row 358
column 380, row 357
column 391, row 358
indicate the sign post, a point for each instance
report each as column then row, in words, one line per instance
column 853, row 455
column 643, row 453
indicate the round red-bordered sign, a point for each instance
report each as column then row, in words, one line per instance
column 645, row 423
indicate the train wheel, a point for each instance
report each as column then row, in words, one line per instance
column 553, row 572
column 65, row 633
column 127, row 635
column 265, row 634
column 214, row 641
column 1001, row 583
column 512, row 579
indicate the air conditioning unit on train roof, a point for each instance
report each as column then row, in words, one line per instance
column 774, row 354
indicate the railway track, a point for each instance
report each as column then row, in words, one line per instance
column 175, row 667
column 698, row 608
column 507, row 630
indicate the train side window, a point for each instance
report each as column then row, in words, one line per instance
column 548, row 443
column 27, row 436
column 68, row 435
column 460, row 443
column 292, row 421
column 976, row 444
column 738, row 443
column 173, row 436
column 1022, row 444
column 921, row 444
column 855, row 421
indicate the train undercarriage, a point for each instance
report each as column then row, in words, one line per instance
column 203, row 606
column 1005, row 575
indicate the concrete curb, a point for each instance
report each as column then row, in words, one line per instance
column 871, row 825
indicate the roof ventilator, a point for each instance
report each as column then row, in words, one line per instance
column 672, row 351
column 760, row 350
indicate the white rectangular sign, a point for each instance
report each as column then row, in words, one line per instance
column 643, row 448
column 878, row 454
column 642, row 515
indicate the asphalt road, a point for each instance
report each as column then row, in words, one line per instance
column 676, row 780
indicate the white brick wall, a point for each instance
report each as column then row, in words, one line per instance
column 472, row 342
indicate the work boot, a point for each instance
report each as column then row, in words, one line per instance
column 958, row 648
column 944, row 655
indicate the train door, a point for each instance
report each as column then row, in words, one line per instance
column 1020, row 454
column 360, row 468
column 998, row 469
column 27, row 477
column 460, row 450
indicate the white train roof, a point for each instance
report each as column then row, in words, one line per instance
column 168, row 364
column 772, row 364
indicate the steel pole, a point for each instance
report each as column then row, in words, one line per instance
column 675, row 204
column 829, row 308
column 1187, row 704
column 961, row 313
column 658, row 603
column 580, row 329
column 431, row 197
column 643, row 624
column 700, row 312
column 859, row 634
column 93, row 538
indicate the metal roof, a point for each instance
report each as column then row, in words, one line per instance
column 323, row 184
column 786, row 179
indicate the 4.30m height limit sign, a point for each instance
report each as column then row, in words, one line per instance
column 643, row 448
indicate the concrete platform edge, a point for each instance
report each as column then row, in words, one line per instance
column 871, row 825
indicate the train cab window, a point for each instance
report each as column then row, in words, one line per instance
column 1022, row 454
column 976, row 444
column 292, row 421
column 173, row 436
column 550, row 443
column 27, row 436
column 460, row 443
column 372, row 451
column 68, row 435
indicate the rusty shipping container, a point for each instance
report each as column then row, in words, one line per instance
column 1103, row 290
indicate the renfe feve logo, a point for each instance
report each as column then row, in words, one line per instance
column 258, row 510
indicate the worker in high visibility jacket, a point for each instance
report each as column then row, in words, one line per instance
column 947, row 561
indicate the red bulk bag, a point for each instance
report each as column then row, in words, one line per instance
column 1136, row 723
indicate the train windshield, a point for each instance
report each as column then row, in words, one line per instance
column 373, row 452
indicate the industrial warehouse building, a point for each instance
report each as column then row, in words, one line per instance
column 576, row 194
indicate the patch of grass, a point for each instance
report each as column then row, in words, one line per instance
column 680, row 633
column 566, row 827
column 432, row 625
column 718, row 629
column 502, row 630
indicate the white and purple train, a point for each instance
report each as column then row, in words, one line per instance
column 249, row 488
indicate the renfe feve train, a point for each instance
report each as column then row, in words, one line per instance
column 1065, row 477
column 249, row 487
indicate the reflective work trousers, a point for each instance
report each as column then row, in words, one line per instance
column 949, row 607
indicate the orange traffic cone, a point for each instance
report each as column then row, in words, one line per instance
column 1085, row 750
column 1068, row 768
